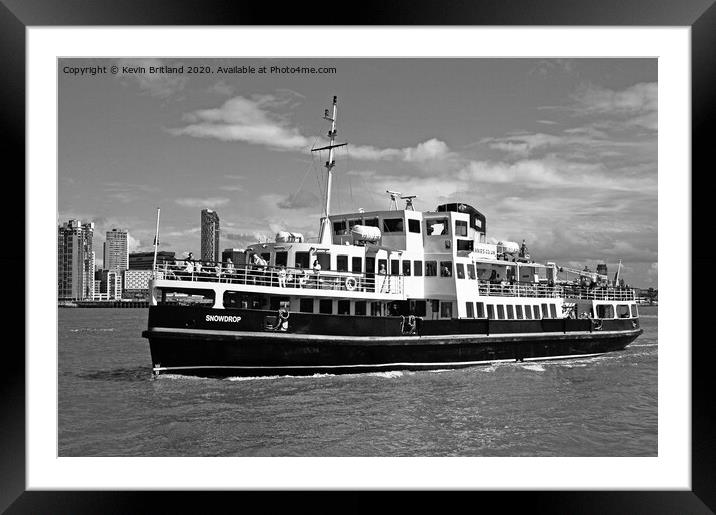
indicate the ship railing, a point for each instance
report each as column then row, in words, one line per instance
column 281, row 277
column 505, row 289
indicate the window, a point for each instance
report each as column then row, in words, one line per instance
column 371, row 222
column 480, row 309
column 344, row 307
column 325, row 306
column 418, row 308
column 357, row 264
column 437, row 227
column 519, row 312
column 418, row 268
column 277, row 303
column 435, row 307
column 545, row 312
column 281, row 258
column 553, row 310
column 634, row 311
column 369, row 265
column 605, row 311
column 302, row 260
column 446, row 309
column 510, row 312
column 414, row 226
column 406, row 267
column 470, row 310
column 382, row 266
column 445, row 268
column 186, row 297
column 471, row 271
column 353, row 223
column 460, row 228
column 467, row 245
column 394, row 267
column 490, row 311
column 535, row 310
column 431, row 268
column 324, row 259
column 342, row 263
column 375, row 309
column 360, row 307
column 500, row 311
column 266, row 256
column 460, row 270
column 339, row 227
column 528, row 313
column 393, row 225
column 306, row 306
column 622, row 311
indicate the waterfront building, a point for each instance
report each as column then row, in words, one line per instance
column 209, row 235
column 144, row 260
column 136, row 283
column 110, row 285
column 237, row 256
column 75, row 260
column 116, row 252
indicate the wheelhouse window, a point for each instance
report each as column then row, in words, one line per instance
column 480, row 309
column 413, row 225
column 467, row 245
column 303, row 260
column 360, row 307
column 357, row 264
column 634, row 311
column 469, row 308
column 418, row 268
column 344, row 307
column 406, row 267
column 393, row 225
column 510, row 312
column 371, row 222
column 305, row 306
column 339, row 227
column 446, row 309
column 431, row 268
column 622, row 311
column 445, row 268
column 437, row 226
column 460, row 270
column 460, row 228
column 325, row 306
column 342, row 263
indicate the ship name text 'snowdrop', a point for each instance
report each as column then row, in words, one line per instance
column 222, row 318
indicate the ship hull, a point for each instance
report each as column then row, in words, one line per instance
column 225, row 343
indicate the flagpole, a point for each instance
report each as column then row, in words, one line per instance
column 156, row 244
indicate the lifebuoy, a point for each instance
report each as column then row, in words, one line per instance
column 283, row 314
column 351, row 283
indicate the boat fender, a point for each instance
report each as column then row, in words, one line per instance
column 351, row 283
column 283, row 314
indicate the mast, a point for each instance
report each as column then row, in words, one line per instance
column 156, row 244
column 616, row 276
column 325, row 233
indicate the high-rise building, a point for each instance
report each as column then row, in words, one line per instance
column 75, row 260
column 237, row 256
column 116, row 252
column 209, row 235
column 145, row 260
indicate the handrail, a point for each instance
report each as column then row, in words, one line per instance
column 281, row 277
column 557, row 291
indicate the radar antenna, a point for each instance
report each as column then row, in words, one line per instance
column 393, row 199
column 409, row 201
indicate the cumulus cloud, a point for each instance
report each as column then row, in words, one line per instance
column 639, row 98
column 202, row 202
column 430, row 150
column 299, row 200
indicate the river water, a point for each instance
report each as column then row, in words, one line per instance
column 110, row 405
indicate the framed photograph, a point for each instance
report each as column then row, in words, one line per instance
column 194, row 165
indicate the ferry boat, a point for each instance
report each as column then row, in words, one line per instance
column 395, row 289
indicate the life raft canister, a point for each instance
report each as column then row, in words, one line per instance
column 351, row 283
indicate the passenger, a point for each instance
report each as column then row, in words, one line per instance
column 382, row 270
column 282, row 277
column 494, row 277
column 445, row 272
column 317, row 272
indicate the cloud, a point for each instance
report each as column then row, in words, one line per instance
column 639, row 98
column 299, row 200
column 202, row 202
column 161, row 85
column 221, row 88
column 430, row 150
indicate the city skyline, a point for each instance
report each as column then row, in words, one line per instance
column 561, row 153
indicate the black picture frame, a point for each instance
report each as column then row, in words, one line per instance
column 699, row 15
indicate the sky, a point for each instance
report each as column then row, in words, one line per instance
column 559, row 152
